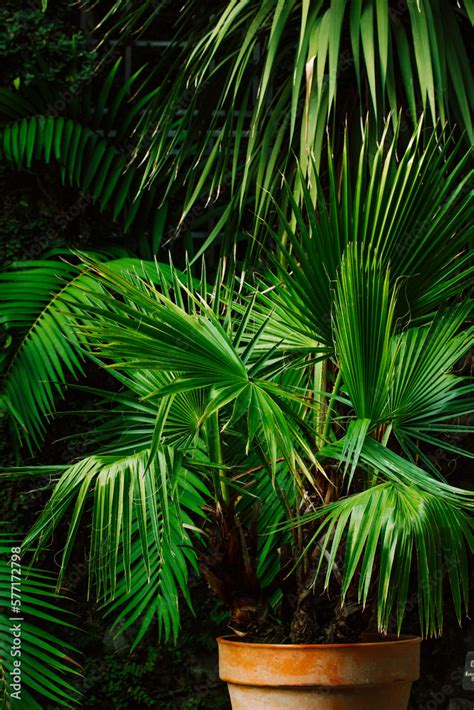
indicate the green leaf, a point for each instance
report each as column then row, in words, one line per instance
column 395, row 520
column 367, row 34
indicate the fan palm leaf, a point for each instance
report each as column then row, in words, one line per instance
column 413, row 211
column 196, row 349
column 388, row 529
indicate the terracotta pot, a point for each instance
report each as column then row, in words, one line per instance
column 373, row 675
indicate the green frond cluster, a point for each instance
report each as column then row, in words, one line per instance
column 283, row 415
column 251, row 390
column 284, row 71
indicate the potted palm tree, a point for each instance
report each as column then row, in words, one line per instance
column 277, row 433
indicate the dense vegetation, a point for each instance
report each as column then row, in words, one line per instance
column 316, row 155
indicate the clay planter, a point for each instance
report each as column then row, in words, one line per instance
column 374, row 675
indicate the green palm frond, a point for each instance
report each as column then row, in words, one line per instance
column 424, row 394
column 395, row 467
column 129, row 425
column 364, row 308
column 47, row 669
column 143, row 510
column 405, row 515
column 86, row 161
column 154, row 593
column 363, row 328
column 146, row 329
column 180, row 416
column 196, row 368
column 406, row 208
column 91, row 142
column 307, row 65
column 106, row 106
column 404, row 381
column 43, row 353
column 386, row 533
column 45, row 350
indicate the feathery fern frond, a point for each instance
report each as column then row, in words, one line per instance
column 92, row 142
column 44, row 352
column 86, row 161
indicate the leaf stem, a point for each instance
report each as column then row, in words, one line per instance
column 386, row 435
column 215, row 453
column 320, row 387
column 330, row 408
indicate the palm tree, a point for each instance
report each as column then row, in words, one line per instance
column 278, row 434
column 273, row 426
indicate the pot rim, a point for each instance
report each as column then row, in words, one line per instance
column 392, row 640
